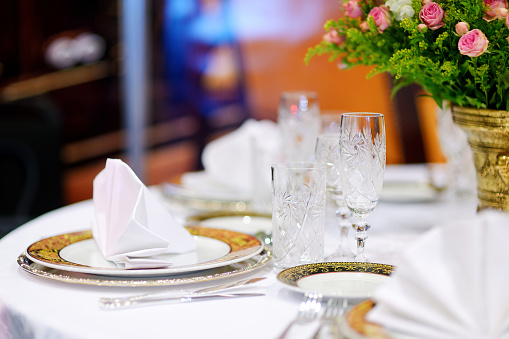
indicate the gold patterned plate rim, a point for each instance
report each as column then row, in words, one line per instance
column 336, row 279
column 243, row 267
column 47, row 252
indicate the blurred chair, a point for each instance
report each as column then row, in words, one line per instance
column 30, row 166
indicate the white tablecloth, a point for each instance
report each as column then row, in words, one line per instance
column 33, row 307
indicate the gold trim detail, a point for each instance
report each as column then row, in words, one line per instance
column 292, row 275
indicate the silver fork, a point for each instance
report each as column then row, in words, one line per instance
column 333, row 309
column 309, row 309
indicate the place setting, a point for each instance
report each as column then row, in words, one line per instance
column 136, row 242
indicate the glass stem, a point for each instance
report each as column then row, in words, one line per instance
column 361, row 228
column 343, row 244
column 344, row 227
column 343, row 214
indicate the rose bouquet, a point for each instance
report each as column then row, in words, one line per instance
column 457, row 50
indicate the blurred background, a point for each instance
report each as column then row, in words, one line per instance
column 210, row 65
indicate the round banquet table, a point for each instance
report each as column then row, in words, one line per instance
column 36, row 307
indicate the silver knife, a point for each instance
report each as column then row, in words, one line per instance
column 151, row 295
column 173, row 300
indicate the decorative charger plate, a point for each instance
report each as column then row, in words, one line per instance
column 243, row 267
column 245, row 222
column 78, row 252
column 336, row 279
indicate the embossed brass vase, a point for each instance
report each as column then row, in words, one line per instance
column 488, row 135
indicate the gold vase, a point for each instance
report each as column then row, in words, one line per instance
column 488, row 135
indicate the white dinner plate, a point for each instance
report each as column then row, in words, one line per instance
column 354, row 280
column 203, row 200
column 408, row 192
column 78, row 252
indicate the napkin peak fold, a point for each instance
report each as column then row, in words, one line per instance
column 131, row 225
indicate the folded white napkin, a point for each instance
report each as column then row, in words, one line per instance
column 130, row 224
column 452, row 283
column 240, row 161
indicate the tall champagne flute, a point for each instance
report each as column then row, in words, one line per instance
column 362, row 152
column 327, row 152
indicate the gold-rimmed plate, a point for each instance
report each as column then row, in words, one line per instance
column 78, row 252
column 235, row 269
column 245, row 222
column 356, row 325
column 202, row 200
column 356, row 280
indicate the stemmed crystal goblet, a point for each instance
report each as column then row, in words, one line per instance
column 362, row 152
column 327, row 151
column 299, row 124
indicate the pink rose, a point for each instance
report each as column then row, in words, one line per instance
column 352, row 9
column 381, row 16
column 507, row 21
column 473, row 43
column 462, row 28
column 432, row 15
column 421, row 27
column 334, row 37
column 496, row 9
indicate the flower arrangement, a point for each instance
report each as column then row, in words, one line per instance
column 457, row 50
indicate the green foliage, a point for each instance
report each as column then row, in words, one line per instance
column 430, row 58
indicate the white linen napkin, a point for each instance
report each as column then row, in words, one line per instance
column 451, row 283
column 240, row 161
column 131, row 226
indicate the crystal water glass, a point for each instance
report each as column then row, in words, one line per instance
column 327, row 152
column 298, row 213
column 362, row 152
column 299, row 124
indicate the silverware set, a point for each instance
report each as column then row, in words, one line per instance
column 313, row 307
column 328, row 313
column 178, row 296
